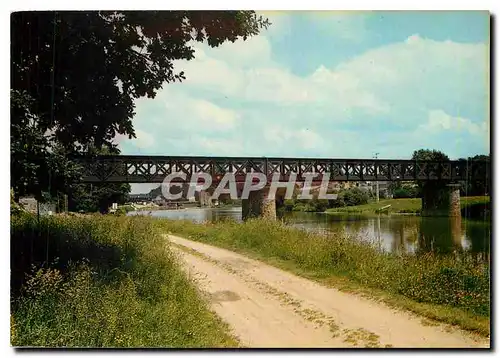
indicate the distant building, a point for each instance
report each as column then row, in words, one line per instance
column 30, row 205
column 137, row 198
column 204, row 198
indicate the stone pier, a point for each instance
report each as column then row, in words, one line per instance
column 454, row 193
column 456, row 230
column 441, row 200
column 259, row 205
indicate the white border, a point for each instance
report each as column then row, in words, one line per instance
column 187, row 4
column 255, row 5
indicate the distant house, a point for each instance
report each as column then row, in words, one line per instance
column 30, row 205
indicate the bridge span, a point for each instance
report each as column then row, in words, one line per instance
column 154, row 169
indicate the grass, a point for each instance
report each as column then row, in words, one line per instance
column 442, row 288
column 405, row 205
column 397, row 206
column 103, row 281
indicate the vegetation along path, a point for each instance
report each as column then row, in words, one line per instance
column 268, row 307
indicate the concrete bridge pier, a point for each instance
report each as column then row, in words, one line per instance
column 454, row 192
column 259, row 205
column 441, row 200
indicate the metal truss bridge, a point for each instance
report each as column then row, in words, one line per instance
column 154, row 169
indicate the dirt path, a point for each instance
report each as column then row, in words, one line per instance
column 268, row 307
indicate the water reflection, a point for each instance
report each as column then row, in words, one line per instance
column 394, row 233
column 435, row 236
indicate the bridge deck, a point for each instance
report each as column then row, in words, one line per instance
column 154, row 169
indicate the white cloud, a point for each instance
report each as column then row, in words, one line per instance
column 173, row 111
column 269, row 83
column 211, row 115
column 262, row 108
column 441, row 121
column 303, row 138
column 421, row 70
column 211, row 74
column 243, row 53
column 280, row 23
column 378, row 79
column 143, row 140
column 219, row 146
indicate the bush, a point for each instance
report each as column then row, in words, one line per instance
column 313, row 205
column 123, row 210
column 337, row 203
column 288, row 205
column 407, row 192
column 353, row 197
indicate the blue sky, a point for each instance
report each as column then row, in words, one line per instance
column 330, row 85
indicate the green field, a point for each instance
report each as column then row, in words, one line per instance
column 110, row 282
column 437, row 287
column 404, row 205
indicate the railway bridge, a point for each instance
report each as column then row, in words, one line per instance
column 154, row 169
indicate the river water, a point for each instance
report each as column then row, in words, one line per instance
column 396, row 233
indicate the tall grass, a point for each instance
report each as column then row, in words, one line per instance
column 103, row 282
column 445, row 280
column 473, row 207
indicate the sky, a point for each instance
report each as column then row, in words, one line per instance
column 328, row 85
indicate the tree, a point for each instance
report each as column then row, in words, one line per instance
column 75, row 76
column 406, row 191
column 434, row 193
column 476, row 186
column 97, row 197
column 39, row 166
column 429, row 154
column 354, row 196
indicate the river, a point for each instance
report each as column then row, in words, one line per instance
column 395, row 233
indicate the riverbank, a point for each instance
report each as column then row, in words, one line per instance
column 109, row 282
column 413, row 205
column 442, row 288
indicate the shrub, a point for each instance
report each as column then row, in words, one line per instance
column 406, row 192
column 353, row 197
column 123, row 210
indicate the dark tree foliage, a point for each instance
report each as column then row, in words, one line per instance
column 38, row 164
column 354, row 196
column 434, row 193
column 476, row 186
column 428, row 154
column 75, row 76
column 97, row 197
column 406, row 191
